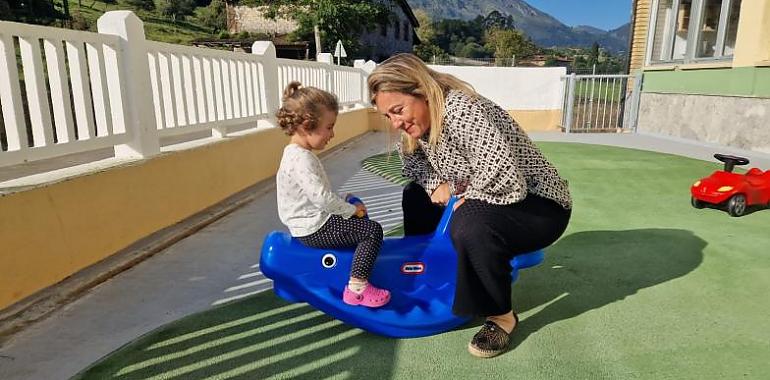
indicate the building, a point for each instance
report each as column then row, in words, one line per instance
column 706, row 70
column 386, row 39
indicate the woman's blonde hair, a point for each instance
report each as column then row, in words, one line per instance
column 407, row 74
column 302, row 104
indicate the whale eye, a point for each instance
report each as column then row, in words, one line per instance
column 329, row 261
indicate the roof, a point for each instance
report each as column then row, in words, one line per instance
column 408, row 11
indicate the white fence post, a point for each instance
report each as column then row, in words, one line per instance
column 570, row 103
column 367, row 68
column 631, row 111
column 329, row 60
column 10, row 96
column 269, row 72
column 360, row 64
column 130, row 88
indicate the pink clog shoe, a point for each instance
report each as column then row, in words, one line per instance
column 370, row 297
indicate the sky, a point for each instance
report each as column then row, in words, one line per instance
column 602, row 14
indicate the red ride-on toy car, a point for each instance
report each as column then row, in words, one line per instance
column 735, row 191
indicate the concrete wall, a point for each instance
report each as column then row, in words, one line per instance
column 533, row 96
column 740, row 122
column 52, row 231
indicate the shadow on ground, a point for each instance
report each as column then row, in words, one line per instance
column 588, row 270
column 261, row 337
column 265, row 337
column 723, row 208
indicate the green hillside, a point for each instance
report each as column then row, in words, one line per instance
column 156, row 27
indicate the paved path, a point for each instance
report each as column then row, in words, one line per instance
column 217, row 264
column 681, row 147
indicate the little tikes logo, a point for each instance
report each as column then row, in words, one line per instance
column 413, row 268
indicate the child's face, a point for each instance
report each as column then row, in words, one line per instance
column 319, row 137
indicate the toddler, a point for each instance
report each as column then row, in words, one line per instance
column 314, row 214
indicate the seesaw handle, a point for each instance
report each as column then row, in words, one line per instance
column 443, row 225
column 354, row 200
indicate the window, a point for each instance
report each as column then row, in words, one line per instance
column 707, row 45
column 679, row 49
column 406, row 31
column 692, row 30
column 384, row 29
column 396, row 30
column 731, row 30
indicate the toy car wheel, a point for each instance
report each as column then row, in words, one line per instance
column 697, row 203
column 736, row 206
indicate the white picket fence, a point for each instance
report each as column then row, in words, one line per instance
column 64, row 91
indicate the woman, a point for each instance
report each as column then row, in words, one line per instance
column 511, row 199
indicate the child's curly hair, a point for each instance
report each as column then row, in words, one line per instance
column 301, row 104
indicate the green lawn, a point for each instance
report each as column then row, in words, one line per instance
column 640, row 286
column 156, row 28
column 604, row 90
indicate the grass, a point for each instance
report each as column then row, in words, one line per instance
column 600, row 90
column 640, row 286
column 156, row 28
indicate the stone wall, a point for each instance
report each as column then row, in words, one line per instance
column 740, row 122
column 398, row 36
column 249, row 19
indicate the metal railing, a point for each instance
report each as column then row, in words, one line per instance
column 600, row 103
column 480, row 62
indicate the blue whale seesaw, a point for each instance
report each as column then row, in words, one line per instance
column 419, row 271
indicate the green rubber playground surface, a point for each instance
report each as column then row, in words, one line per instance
column 641, row 285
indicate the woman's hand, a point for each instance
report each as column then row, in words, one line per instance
column 441, row 195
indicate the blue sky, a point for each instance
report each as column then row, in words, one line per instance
column 602, row 14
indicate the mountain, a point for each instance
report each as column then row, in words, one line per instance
column 541, row 27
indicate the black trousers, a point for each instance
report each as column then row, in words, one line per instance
column 486, row 238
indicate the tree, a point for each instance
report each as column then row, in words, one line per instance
column 594, row 56
column 430, row 52
column 29, row 11
column 79, row 22
column 426, row 31
column 451, row 34
column 214, row 15
column 333, row 20
column 472, row 50
column 176, row 9
column 507, row 43
column 5, row 10
column 497, row 20
column 147, row 5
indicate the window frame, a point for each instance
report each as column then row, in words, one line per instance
column 694, row 34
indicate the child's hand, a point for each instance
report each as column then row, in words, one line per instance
column 360, row 210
